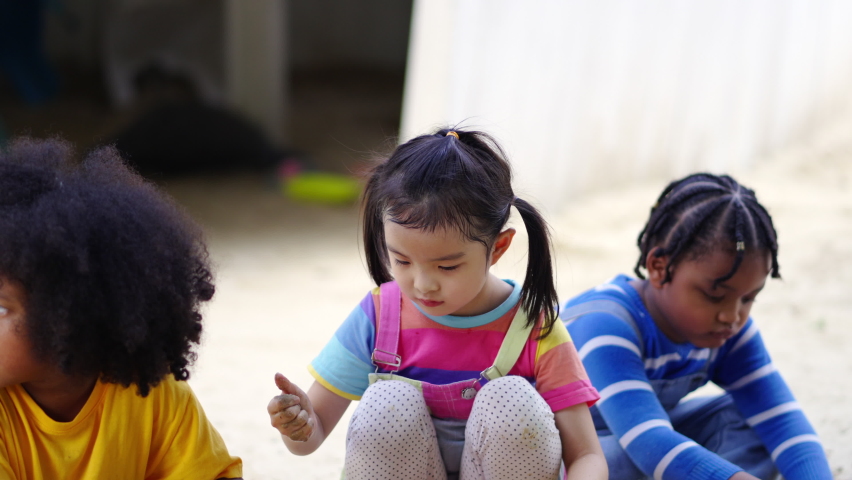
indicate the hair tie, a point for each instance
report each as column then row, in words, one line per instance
column 454, row 134
column 512, row 203
column 740, row 246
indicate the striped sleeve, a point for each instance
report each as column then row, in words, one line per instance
column 560, row 376
column 344, row 364
column 610, row 351
column 746, row 371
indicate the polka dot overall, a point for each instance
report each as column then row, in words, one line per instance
column 510, row 434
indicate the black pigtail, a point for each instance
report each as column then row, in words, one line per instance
column 374, row 233
column 538, row 296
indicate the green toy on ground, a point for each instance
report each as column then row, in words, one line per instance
column 320, row 187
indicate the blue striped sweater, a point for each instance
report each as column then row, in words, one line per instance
column 621, row 365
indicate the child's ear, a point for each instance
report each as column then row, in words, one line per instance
column 501, row 244
column 656, row 267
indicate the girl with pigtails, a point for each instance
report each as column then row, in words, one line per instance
column 459, row 374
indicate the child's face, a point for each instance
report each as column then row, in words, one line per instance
column 441, row 271
column 18, row 364
column 690, row 309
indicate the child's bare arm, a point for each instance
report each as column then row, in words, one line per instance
column 581, row 450
column 305, row 419
column 743, row 476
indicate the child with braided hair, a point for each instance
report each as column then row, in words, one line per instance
column 708, row 248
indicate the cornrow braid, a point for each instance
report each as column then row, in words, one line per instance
column 698, row 213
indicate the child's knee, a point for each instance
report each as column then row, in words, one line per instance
column 511, row 408
column 513, row 382
column 391, row 419
column 509, row 421
column 394, row 392
column 512, row 391
column 390, row 410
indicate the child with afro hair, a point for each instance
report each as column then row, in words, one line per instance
column 101, row 280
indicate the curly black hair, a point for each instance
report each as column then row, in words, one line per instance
column 114, row 271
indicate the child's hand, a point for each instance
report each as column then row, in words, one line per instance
column 291, row 412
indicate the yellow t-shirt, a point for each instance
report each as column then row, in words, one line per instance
column 117, row 435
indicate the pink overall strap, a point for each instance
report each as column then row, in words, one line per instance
column 387, row 328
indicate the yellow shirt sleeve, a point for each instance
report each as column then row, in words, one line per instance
column 187, row 445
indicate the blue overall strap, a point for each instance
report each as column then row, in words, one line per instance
column 612, row 307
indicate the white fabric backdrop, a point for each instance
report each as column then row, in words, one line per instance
column 590, row 93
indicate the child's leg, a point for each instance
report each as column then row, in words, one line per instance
column 511, row 434
column 391, row 436
column 715, row 423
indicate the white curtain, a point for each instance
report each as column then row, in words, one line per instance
column 585, row 94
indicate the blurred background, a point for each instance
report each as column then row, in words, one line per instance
column 209, row 78
column 259, row 115
column 584, row 95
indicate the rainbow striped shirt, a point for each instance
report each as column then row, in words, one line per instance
column 447, row 349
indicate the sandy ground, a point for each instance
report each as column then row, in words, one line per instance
column 288, row 274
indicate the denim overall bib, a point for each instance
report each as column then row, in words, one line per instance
column 454, row 400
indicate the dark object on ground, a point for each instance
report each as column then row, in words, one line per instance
column 190, row 137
